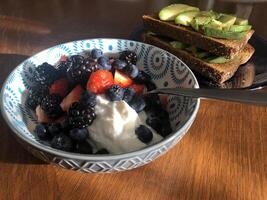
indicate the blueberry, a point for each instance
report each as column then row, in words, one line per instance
column 79, row 134
column 128, row 94
column 142, row 77
column 104, row 63
column 144, row 134
column 132, row 70
column 137, row 103
column 62, row 142
column 84, row 148
column 115, row 93
column 119, row 64
column 54, row 128
column 88, row 98
column 96, row 53
column 42, row 132
column 102, row 151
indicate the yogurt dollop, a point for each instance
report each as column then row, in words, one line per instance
column 114, row 127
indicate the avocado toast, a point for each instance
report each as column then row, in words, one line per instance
column 210, row 43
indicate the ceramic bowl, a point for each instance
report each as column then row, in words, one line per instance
column 165, row 69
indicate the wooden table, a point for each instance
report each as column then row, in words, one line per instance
column 223, row 156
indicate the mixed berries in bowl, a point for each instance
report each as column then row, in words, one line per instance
column 83, row 105
column 68, row 98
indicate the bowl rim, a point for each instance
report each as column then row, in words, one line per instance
column 98, row 157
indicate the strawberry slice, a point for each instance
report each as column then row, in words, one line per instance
column 60, row 87
column 73, row 96
column 99, row 81
column 63, row 58
column 122, row 79
column 138, row 88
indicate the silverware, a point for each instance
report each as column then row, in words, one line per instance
column 236, row 95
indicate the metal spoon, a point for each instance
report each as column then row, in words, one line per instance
column 235, row 95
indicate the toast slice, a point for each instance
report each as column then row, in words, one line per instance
column 219, row 47
column 218, row 73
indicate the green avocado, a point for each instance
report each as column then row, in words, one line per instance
column 240, row 21
column 239, row 28
column 177, row 45
column 218, row 60
column 214, row 24
column 224, row 34
column 199, row 21
column 227, row 21
column 202, row 54
column 169, row 13
column 185, row 18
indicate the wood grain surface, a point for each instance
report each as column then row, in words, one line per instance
column 223, row 156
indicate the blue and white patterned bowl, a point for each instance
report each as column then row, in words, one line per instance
column 165, row 69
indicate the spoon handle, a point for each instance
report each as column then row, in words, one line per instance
column 236, row 95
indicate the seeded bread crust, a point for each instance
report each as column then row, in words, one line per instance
column 219, row 73
column 220, row 47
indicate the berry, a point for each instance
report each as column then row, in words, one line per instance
column 80, row 69
column 96, row 53
column 62, row 142
column 73, row 96
column 115, row 93
column 165, row 128
column 131, row 70
column 154, row 122
column 142, row 77
column 79, row 134
column 84, row 148
column 129, row 57
column 54, row 128
column 144, row 134
column 138, row 88
column 80, row 116
column 35, row 97
column 137, row 103
column 45, row 74
column 128, row 94
column 41, row 131
column 122, row 79
column 102, row 151
column 99, row 81
column 62, row 69
column 60, row 87
column 104, row 63
column 119, row 64
column 88, row 98
column 41, row 115
column 51, row 105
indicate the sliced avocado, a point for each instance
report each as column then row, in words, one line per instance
column 218, row 60
column 185, row 18
column 199, row 21
column 192, row 49
column 177, row 45
column 169, row 13
column 227, row 21
column 202, row 54
column 239, row 28
column 240, row 21
column 214, row 24
column 224, row 34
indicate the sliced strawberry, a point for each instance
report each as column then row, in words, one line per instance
column 60, row 87
column 41, row 115
column 138, row 88
column 73, row 96
column 122, row 79
column 164, row 101
column 99, row 81
column 63, row 58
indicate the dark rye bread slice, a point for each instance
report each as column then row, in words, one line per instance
column 218, row 73
column 220, row 47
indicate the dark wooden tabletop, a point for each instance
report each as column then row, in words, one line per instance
column 223, row 156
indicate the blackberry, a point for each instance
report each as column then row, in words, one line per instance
column 80, row 116
column 115, row 93
column 88, row 98
column 79, row 69
column 129, row 57
column 35, row 97
column 62, row 69
column 62, row 142
column 45, row 74
column 51, row 105
column 144, row 134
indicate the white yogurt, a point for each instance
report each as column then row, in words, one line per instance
column 114, row 127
